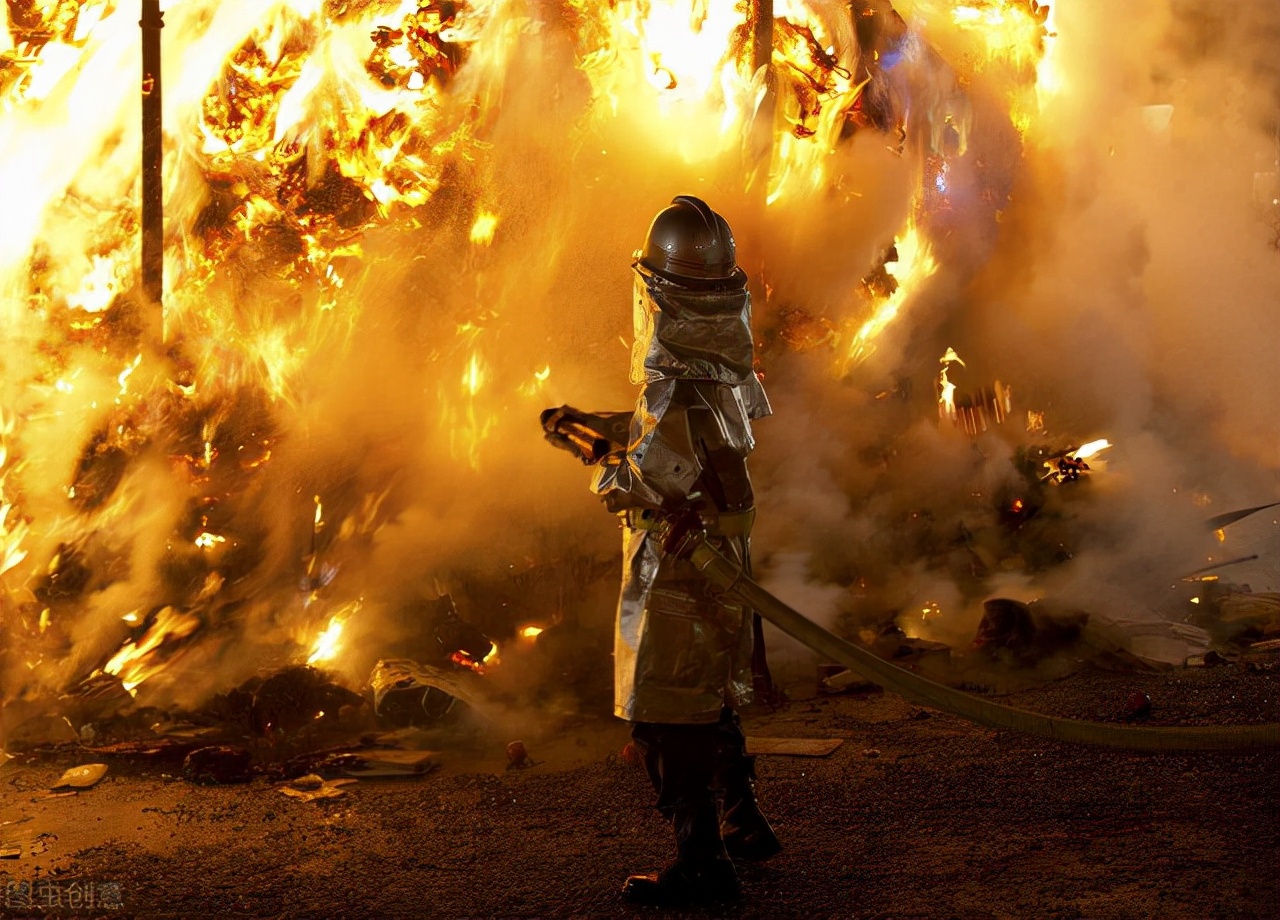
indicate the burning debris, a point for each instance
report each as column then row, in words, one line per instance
column 189, row 502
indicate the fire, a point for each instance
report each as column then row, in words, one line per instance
column 12, row 534
column 478, row 665
column 947, row 389
column 484, row 227
column 1070, row 466
column 301, row 135
column 1012, row 30
column 1087, row 450
column 820, row 90
column 135, row 661
column 685, row 63
column 326, row 645
column 915, row 264
column 1012, row 37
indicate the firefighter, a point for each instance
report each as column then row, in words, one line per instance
column 684, row 655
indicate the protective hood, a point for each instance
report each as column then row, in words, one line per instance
column 685, row 333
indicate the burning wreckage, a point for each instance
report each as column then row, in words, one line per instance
column 231, row 536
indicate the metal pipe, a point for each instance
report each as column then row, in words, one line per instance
column 152, row 155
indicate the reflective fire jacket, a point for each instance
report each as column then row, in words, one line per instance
column 680, row 652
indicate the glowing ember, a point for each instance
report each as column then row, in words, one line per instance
column 206, row 540
column 465, row 660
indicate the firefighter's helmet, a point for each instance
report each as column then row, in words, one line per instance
column 689, row 242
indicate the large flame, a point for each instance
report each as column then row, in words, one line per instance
column 298, row 131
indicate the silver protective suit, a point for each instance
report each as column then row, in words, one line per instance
column 680, row 652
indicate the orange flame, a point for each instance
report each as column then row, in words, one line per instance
column 915, row 265
column 134, row 662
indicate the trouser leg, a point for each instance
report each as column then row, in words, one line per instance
column 681, row 762
column 744, row 829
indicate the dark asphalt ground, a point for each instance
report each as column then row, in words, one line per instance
column 917, row 814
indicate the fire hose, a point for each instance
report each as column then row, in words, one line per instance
column 729, row 577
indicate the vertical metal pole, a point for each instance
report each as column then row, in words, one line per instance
column 761, row 145
column 762, row 36
column 152, row 155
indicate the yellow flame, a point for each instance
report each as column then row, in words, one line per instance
column 673, row 60
column 484, row 227
column 1085, row 451
column 1009, row 29
column 123, row 379
column 947, row 389
column 530, row 632
column 473, row 376
column 535, row 386
column 327, row 644
column 207, row 540
column 915, row 265
column 816, row 89
column 133, row 663
column 99, row 286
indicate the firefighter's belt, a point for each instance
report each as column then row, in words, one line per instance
column 736, row 524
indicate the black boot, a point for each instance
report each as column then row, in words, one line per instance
column 702, row 871
column 746, row 832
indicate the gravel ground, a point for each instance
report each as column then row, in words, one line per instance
column 916, row 814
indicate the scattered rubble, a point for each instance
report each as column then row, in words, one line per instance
column 369, row 764
column 518, row 756
column 408, row 693
column 631, row 754
column 85, row 776
column 311, row 787
column 218, row 765
column 835, row 679
column 793, row 747
column 1137, row 706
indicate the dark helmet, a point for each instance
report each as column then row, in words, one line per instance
column 688, row 241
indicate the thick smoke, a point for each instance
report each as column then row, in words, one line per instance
column 1119, row 275
column 1127, row 292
